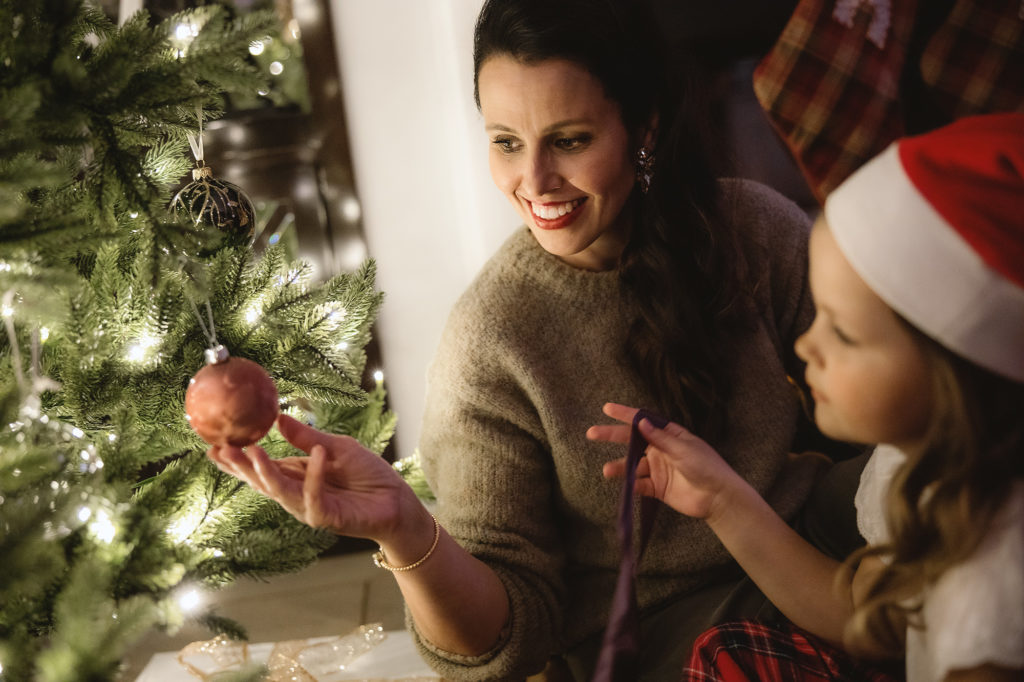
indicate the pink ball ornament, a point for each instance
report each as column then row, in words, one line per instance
column 231, row 402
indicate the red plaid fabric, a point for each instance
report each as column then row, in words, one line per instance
column 832, row 94
column 974, row 63
column 747, row 651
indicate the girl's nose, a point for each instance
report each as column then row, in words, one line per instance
column 804, row 345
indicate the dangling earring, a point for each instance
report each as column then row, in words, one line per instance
column 644, row 168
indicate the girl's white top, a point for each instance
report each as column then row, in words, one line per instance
column 974, row 613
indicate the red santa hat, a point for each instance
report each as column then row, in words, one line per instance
column 935, row 226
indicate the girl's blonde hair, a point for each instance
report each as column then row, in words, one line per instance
column 942, row 499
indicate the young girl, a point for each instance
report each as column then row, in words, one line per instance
column 917, row 272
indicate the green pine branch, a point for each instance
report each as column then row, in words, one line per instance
column 109, row 508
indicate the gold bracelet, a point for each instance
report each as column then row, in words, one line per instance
column 381, row 562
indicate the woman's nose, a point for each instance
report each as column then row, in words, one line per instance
column 540, row 175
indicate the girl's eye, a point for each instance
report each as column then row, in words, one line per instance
column 842, row 336
column 506, row 145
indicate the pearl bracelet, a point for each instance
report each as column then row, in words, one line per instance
column 381, row 562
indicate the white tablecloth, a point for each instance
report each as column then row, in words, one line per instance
column 394, row 658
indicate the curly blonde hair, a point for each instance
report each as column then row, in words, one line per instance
column 942, row 499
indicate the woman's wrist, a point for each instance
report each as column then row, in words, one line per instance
column 415, row 538
column 382, row 562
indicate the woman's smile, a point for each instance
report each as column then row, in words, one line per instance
column 556, row 215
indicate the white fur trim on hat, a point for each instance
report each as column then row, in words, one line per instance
column 923, row 269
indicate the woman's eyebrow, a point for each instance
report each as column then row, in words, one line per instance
column 548, row 130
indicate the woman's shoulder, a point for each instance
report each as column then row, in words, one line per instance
column 761, row 213
column 772, row 233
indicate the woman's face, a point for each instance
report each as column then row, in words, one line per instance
column 869, row 377
column 561, row 154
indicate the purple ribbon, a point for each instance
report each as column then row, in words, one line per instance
column 620, row 648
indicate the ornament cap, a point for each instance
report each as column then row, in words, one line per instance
column 216, row 354
column 200, row 172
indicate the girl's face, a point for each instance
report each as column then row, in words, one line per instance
column 868, row 376
column 561, row 154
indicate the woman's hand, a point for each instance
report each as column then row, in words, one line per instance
column 341, row 486
column 679, row 468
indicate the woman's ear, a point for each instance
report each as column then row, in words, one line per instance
column 649, row 135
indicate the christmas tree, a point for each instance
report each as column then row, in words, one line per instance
column 111, row 516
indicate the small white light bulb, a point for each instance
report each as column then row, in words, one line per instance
column 190, row 600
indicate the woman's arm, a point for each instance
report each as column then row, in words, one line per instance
column 687, row 474
column 458, row 603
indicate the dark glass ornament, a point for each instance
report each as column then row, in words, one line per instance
column 221, row 211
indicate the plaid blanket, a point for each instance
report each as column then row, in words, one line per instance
column 833, row 85
column 747, row 651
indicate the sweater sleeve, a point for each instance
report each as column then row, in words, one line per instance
column 776, row 232
column 482, row 441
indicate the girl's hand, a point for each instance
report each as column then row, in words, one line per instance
column 341, row 486
column 678, row 468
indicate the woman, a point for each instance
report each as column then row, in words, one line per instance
column 637, row 277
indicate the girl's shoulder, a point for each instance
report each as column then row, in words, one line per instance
column 974, row 613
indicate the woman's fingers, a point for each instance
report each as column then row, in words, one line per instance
column 275, row 485
column 300, row 435
column 313, row 488
column 233, row 461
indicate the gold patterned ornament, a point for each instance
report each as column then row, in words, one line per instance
column 221, row 210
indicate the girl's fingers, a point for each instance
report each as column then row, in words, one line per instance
column 614, row 469
column 612, row 433
column 672, row 438
column 644, row 487
column 617, row 468
column 623, row 413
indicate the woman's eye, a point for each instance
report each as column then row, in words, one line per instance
column 506, row 145
column 571, row 143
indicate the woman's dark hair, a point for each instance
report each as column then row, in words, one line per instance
column 680, row 266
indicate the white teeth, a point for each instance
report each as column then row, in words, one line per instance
column 553, row 211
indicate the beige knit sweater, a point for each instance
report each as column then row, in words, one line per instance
column 530, row 353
